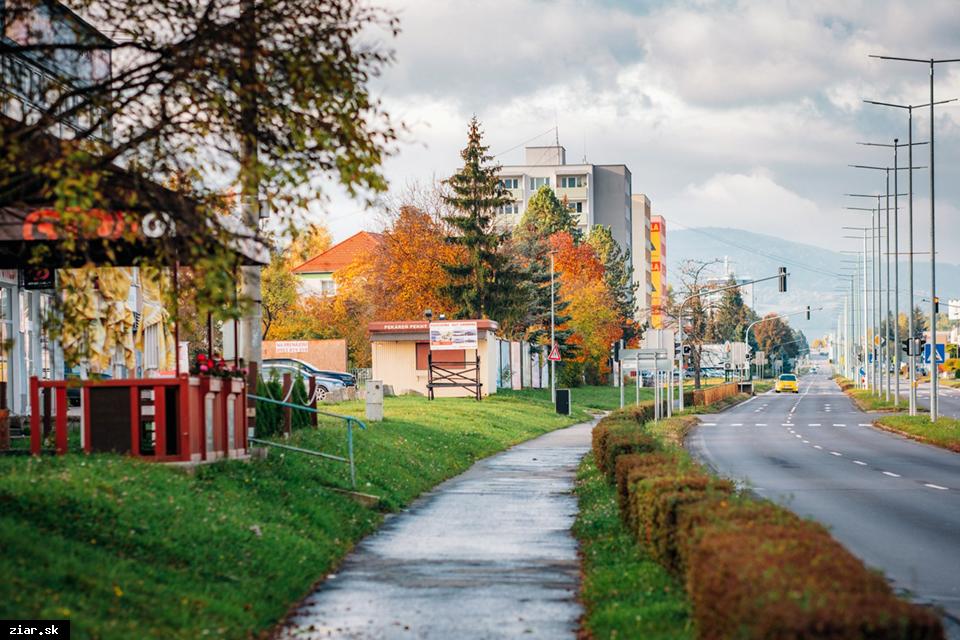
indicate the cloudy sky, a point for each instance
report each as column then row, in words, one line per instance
column 730, row 113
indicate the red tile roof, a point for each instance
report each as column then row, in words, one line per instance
column 341, row 254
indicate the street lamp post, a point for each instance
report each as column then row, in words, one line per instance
column 746, row 333
column 553, row 334
column 911, row 330
column 934, row 400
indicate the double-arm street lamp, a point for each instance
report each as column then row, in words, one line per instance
column 934, row 400
column 910, row 144
column 781, row 276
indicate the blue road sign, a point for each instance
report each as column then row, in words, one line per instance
column 941, row 353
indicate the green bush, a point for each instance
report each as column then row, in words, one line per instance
column 752, row 569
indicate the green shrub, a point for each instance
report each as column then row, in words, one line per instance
column 639, row 466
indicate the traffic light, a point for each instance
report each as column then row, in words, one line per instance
column 783, row 279
column 905, row 346
column 808, row 312
column 936, row 304
column 615, row 351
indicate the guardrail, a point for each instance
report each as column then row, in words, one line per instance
column 350, row 420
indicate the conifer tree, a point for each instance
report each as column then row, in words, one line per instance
column 545, row 215
column 487, row 284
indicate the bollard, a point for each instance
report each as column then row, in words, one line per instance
column 374, row 393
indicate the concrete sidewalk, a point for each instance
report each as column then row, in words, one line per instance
column 488, row 554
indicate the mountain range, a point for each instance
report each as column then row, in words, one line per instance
column 815, row 274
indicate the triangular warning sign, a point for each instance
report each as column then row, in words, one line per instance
column 554, row 353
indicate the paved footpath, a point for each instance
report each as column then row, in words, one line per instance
column 488, row 554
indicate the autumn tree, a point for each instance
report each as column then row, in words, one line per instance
column 731, row 316
column 618, row 276
column 486, row 283
column 594, row 318
column 278, row 290
column 268, row 95
column 694, row 319
column 775, row 337
column 307, row 243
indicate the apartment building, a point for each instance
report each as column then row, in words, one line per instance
column 594, row 193
column 642, row 255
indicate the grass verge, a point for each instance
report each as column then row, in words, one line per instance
column 625, row 592
column 588, row 398
column 130, row 549
column 867, row 400
column 945, row 432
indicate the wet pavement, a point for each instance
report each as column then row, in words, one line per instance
column 488, row 554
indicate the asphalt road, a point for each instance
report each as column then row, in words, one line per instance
column 488, row 554
column 949, row 398
column 893, row 502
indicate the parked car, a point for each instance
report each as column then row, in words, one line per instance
column 787, row 382
column 294, row 367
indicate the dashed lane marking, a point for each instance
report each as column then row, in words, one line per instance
column 814, row 424
column 816, row 446
column 806, row 442
column 786, row 424
column 838, row 424
column 760, row 424
column 709, row 424
column 934, row 486
column 736, row 424
column 864, row 424
column 835, row 453
column 862, row 464
column 891, row 474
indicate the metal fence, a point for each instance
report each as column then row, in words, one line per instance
column 350, row 420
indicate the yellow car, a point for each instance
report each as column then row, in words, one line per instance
column 787, row 382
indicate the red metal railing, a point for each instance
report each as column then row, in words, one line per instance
column 202, row 431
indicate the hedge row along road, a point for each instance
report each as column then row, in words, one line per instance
column 893, row 502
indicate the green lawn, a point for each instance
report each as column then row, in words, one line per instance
column 588, row 398
column 626, row 593
column 867, row 400
column 129, row 549
column 945, row 432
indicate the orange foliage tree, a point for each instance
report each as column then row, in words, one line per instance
column 594, row 316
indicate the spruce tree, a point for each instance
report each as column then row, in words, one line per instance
column 545, row 215
column 488, row 284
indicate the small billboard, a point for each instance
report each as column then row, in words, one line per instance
column 453, row 335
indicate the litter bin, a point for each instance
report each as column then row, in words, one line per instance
column 563, row 401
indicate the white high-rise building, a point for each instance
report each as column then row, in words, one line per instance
column 596, row 194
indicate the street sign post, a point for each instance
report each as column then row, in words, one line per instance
column 941, row 353
column 554, row 354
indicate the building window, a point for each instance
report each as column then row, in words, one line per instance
column 328, row 288
column 510, row 183
column 571, row 182
column 151, row 347
column 458, row 356
column 536, row 183
column 575, row 207
column 511, row 208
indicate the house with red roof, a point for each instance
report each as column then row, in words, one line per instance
column 316, row 275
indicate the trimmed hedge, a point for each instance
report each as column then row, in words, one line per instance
column 752, row 569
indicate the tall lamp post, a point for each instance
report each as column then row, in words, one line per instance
column 933, row 233
column 911, row 357
column 896, row 246
column 865, row 306
column 874, row 290
column 746, row 333
column 553, row 334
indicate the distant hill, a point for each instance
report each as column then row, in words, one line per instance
column 755, row 255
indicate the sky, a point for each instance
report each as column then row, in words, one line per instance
column 740, row 114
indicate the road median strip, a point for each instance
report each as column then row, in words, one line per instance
column 751, row 568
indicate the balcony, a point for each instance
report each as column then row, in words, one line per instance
column 572, row 193
column 515, row 194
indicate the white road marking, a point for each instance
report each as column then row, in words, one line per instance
column 838, row 425
column 816, row 446
column 891, row 474
column 814, row 424
column 737, row 424
column 834, row 453
column 761, row 424
column 862, row 464
column 709, row 424
column 806, row 442
column 786, row 424
column 935, row 486
column 865, row 424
